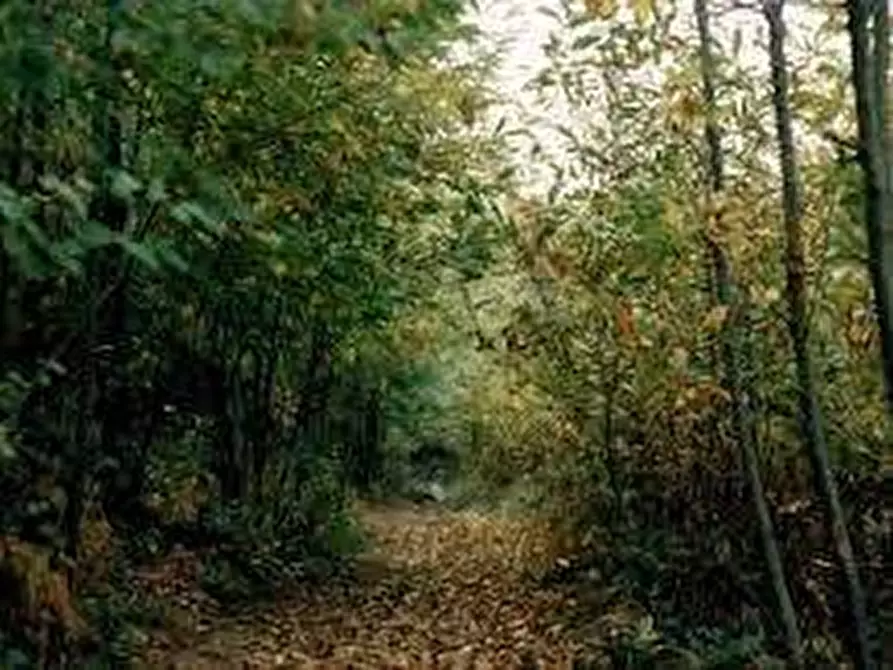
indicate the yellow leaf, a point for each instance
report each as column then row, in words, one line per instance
column 715, row 318
column 642, row 10
column 674, row 216
column 679, row 357
column 602, row 9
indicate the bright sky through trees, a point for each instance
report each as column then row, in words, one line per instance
column 522, row 30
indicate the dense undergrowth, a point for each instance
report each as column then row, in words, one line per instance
column 211, row 216
column 262, row 258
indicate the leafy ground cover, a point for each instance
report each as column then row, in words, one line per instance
column 436, row 589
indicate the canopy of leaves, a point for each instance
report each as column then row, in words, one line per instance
column 258, row 256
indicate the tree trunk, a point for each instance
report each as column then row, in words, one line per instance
column 731, row 349
column 869, row 53
column 265, row 391
column 310, row 421
column 811, row 424
column 267, row 358
column 108, row 295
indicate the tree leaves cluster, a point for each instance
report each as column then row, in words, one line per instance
column 631, row 340
column 210, row 213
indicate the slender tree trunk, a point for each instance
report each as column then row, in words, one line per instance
column 375, row 429
column 240, row 444
column 264, row 398
column 869, row 39
column 108, row 292
column 310, row 420
column 612, row 384
column 731, row 349
column 812, row 430
column 266, row 359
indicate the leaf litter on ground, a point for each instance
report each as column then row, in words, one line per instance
column 437, row 589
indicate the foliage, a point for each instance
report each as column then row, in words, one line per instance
column 257, row 258
column 609, row 333
column 210, row 215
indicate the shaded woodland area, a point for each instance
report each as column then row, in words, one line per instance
column 286, row 340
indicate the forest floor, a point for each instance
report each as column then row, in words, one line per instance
column 436, row 589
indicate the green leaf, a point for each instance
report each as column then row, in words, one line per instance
column 94, row 234
column 14, row 209
column 550, row 12
column 67, row 194
column 156, row 193
column 124, row 185
column 169, row 256
column 141, row 252
column 584, row 42
column 192, row 212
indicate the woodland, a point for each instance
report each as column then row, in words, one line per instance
column 296, row 371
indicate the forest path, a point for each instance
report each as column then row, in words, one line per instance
column 438, row 589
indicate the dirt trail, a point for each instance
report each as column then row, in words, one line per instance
column 438, row 589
